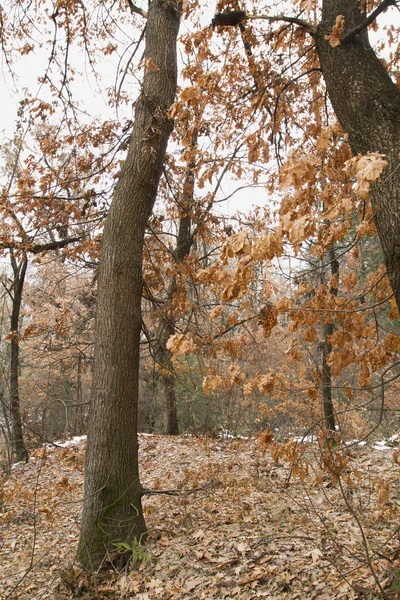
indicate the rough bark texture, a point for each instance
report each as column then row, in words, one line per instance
column 367, row 104
column 112, row 510
column 328, row 329
column 19, row 449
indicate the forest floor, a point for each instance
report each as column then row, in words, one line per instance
column 251, row 530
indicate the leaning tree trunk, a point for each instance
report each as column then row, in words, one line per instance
column 112, row 510
column 19, row 271
column 367, row 105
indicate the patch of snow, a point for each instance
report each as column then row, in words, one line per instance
column 14, row 465
column 382, row 445
column 75, row 441
column 227, row 435
column 306, row 439
column 355, row 442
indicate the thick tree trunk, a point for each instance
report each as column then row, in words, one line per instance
column 112, row 510
column 367, row 104
column 19, row 271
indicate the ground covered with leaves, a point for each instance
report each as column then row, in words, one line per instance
column 242, row 525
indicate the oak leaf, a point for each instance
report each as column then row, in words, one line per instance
column 235, row 373
column 337, row 30
column 236, row 245
column 180, row 343
column 268, row 318
column 367, row 168
column 264, row 439
column 267, row 247
column 308, row 5
column 297, row 170
column 266, row 383
column 211, row 383
column 324, row 138
column 191, row 93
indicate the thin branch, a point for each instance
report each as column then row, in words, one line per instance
column 118, row 95
column 234, row 325
column 293, row 20
column 340, row 310
column 177, row 492
column 287, row 85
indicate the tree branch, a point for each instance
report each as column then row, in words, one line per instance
column 372, row 17
column 53, row 245
column 37, row 248
column 177, row 492
column 294, row 20
column 236, row 17
column 136, row 10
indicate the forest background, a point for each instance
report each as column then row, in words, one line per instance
column 280, row 317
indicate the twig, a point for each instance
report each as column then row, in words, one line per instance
column 365, row 541
column 177, row 492
column 293, row 20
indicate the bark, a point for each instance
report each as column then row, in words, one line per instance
column 167, row 323
column 112, row 510
column 328, row 329
column 367, row 105
column 165, row 329
column 19, row 271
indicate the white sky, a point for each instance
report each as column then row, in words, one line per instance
column 94, row 100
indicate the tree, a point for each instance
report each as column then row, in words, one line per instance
column 367, row 104
column 27, row 229
column 19, row 273
column 167, row 321
column 269, row 102
column 341, row 58
column 112, row 510
column 57, row 344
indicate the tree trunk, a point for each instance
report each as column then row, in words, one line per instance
column 328, row 329
column 166, row 326
column 367, row 105
column 112, row 510
column 165, row 329
column 19, row 272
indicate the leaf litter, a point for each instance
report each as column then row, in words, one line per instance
column 251, row 530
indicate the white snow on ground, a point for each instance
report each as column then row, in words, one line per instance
column 307, row 439
column 75, row 441
column 393, row 440
column 382, row 445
